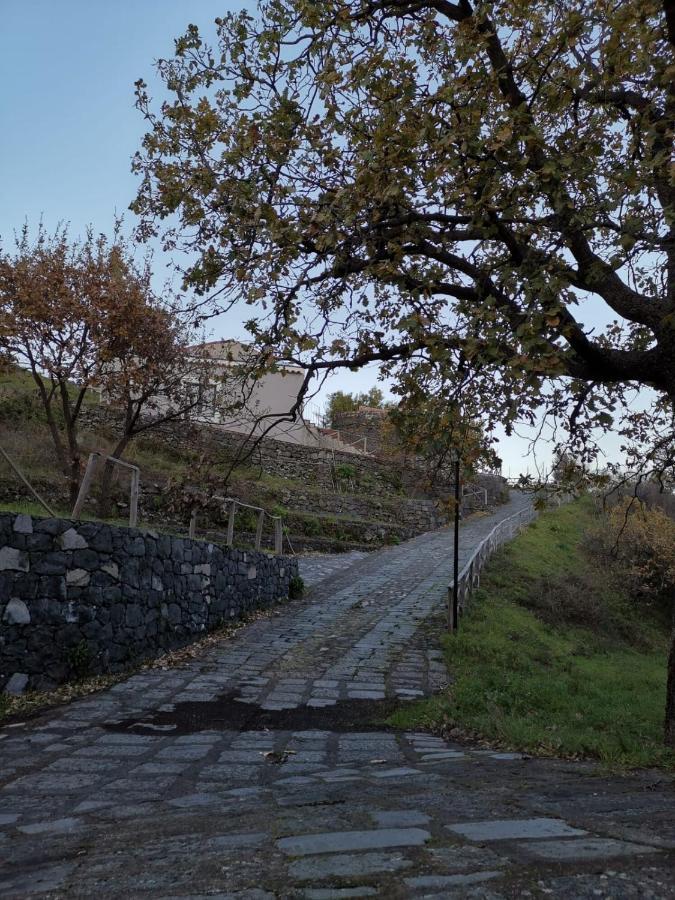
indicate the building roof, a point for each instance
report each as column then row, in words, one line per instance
column 231, row 351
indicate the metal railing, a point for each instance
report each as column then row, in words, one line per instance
column 469, row 576
column 232, row 503
column 95, row 460
column 337, row 435
column 469, row 491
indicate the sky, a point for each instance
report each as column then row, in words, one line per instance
column 70, row 128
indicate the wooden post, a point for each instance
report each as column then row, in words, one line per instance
column 278, row 536
column 23, row 478
column 193, row 523
column 259, row 529
column 230, row 524
column 85, row 484
column 133, row 498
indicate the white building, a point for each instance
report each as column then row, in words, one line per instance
column 237, row 402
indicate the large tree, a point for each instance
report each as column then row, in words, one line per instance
column 478, row 195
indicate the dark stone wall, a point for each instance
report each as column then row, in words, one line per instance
column 82, row 598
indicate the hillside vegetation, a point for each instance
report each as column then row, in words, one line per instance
column 556, row 654
column 314, row 518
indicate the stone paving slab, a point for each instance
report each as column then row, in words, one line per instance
column 509, row 829
column 584, row 849
column 152, row 789
column 352, row 841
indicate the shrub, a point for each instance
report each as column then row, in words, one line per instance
column 311, row 527
column 642, row 540
column 19, row 408
column 296, row 587
column 345, row 470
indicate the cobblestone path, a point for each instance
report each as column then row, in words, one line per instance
column 255, row 771
column 319, row 566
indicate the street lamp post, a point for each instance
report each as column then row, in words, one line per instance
column 455, row 583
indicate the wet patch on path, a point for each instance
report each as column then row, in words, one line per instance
column 228, row 713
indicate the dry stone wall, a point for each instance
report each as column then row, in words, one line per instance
column 88, row 598
column 310, row 465
column 355, row 499
column 366, row 423
column 317, row 468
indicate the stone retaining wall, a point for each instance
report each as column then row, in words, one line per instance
column 367, row 423
column 88, row 598
column 311, row 465
column 387, row 479
column 411, row 516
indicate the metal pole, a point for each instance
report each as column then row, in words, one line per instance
column 455, row 583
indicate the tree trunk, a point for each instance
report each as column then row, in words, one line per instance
column 669, row 724
column 104, row 498
column 73, row 479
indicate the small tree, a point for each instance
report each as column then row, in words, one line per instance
column 82, row 316
column 436, row 433
column 340, row 402
column 49, row 292
column 150, row 371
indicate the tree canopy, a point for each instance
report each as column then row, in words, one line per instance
column 342, row 402
column 82, row 316
column 477, row 195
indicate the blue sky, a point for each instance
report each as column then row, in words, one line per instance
column 70, row 128
column 67, row 69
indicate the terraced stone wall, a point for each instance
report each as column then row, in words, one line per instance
column 81, row 598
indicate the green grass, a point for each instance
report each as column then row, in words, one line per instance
column 34, row 509
column 30, row 509
column 16, row 382
column 545, row 680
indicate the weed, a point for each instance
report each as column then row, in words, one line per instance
column 296, row 587
column 79, row 659
column 311, row 527
column 344, row 471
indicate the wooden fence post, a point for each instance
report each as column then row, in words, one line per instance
column 259, row 529
column 85, row 484
column 193, row 523
column 278, row 536
column 133, row 499
column 230, row 524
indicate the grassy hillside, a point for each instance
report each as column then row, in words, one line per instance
column 553, row 656
column 24, row 434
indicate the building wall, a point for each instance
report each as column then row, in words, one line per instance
column 267, row 400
